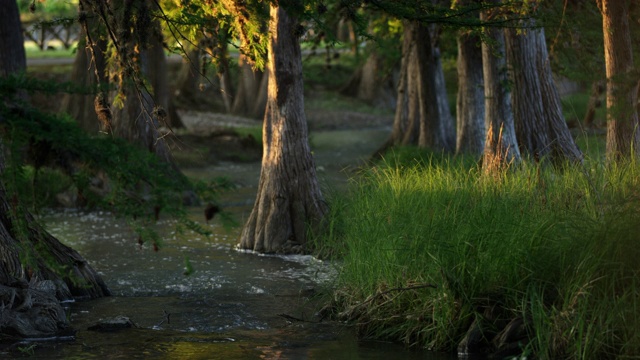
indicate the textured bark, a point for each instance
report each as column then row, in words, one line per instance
column 289, row 198
column 541, row 129
column 623, row 134
column 29, row 256
column 422, row 113
column 501, row 146
column 470, row 100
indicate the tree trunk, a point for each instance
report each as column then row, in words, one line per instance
column 138, row 118
column 422, row 114
column 597, row 88
column 12, row 57
column 36, row 270
column 501, row 147
column 224, row 78
column 82, row 107
column 541, row 129
column 248, row 89
column 370, row 84
column 623, row 134
column 289, row 200
column 470, row 101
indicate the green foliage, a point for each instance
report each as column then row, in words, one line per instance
column 574, row 38
column 557, row 248
column 104, row 171
column 47, row 9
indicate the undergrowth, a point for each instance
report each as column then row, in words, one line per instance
column 49, row 153
column 427, row 243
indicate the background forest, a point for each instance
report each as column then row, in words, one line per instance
column 497, row 216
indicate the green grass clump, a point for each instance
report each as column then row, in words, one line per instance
column 428, row 245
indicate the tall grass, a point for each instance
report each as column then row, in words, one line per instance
column 428, row 245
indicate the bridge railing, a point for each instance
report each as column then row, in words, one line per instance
column 42, row 33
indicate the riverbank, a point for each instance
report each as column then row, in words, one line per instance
column 536, row 261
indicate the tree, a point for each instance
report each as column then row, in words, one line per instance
column 289, row 197
column 371, row 82
column 89, row 71
column 470, row 99
column 374, row 81
column 623, row 134
column 422, row 116
column 501, row 146
column 251, row 94
column 541, row 129
column 36, row 270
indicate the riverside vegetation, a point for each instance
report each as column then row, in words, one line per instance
column 431, row 247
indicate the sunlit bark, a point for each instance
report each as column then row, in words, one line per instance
column 289, row 201
column 623, row 134
column 501, row 146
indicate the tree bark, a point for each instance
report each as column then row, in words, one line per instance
column 289, row 200
column 501, row 146
column 35, row 268
column 623, row 134
column 422, row 115
column 541, row 129
column 470, row 99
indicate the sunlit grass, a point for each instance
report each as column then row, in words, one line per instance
column 55, row 51
column 557, row 248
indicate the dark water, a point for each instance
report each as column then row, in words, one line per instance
column 236, row 305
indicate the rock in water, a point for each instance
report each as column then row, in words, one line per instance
column 113, row 324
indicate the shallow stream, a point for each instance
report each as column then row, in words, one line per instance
column 235, row 305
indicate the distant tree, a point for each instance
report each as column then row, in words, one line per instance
column 251, row 93
column 470, row 99
column 501, row 146
column 289, row 200
column 421, row 118
column 89, row 71
column 541, row 129
column 36, row 270
column 623, row 132
column 374, row 80
column 135, row 105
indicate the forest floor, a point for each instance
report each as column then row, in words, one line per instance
column 225, row 137
column 231, row 138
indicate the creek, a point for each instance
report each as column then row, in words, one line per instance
column 235, row 305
